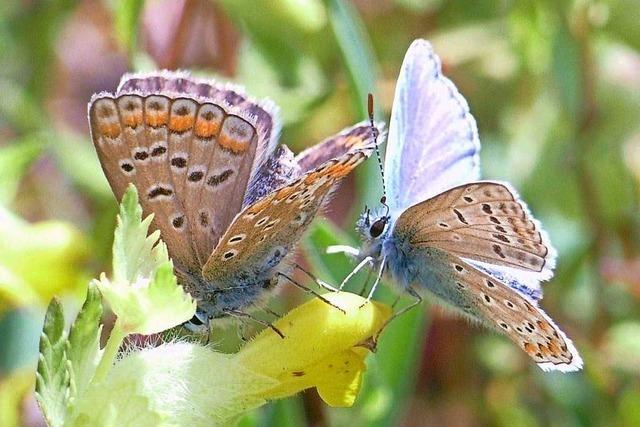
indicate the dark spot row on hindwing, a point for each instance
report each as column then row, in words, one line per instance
column 498, row 250
column 141, row 155
column 502, row 238
column 195, row 176
column 178, row 221
column 461, row 218
column 179, row 162
column 215, row 180
column 127, row 166
column 158, row 191
column 158, row 151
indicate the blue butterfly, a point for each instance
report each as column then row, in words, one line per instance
column 472, row 244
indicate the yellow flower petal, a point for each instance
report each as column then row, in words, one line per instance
column 320, row 348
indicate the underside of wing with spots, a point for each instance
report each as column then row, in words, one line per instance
column 487, row 224
column 190, row 147
column 508, row 311
column 491, row 302
column 266, row 231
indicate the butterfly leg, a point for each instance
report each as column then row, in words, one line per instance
column 343, row 249
column 395, row 302
column 365, row 283
column 311, row 291
column 242, row 315
column 273, row 313
column 375, row 284
column 416, row 301
column 359, row 267
column 317, row 280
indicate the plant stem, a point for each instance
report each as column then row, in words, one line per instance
column 110, row 352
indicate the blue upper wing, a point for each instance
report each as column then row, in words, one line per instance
column 433, row 140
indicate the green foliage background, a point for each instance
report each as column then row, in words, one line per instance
column 554, row 86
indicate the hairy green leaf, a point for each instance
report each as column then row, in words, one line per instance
column 52, row 377
column 84, row 342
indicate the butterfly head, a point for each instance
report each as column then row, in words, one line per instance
column 373, row 225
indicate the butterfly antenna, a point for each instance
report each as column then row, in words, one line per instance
column 383, row 200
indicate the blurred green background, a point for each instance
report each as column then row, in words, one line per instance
column 554, row 86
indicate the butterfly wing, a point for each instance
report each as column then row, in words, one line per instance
column 277, row 171
column 333, row 147
column 487, row 224
column 483, row 298
column 266, row 231
column 433, row 141
column 189, row 146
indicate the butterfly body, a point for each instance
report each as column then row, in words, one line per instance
column 229, row 204
column 471, row 244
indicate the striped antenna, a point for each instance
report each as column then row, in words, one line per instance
column 383, row 199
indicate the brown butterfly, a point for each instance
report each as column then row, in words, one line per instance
column 229, row 204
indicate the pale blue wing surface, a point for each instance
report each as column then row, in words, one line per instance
column 433, row 141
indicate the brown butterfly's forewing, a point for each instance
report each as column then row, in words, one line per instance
column 268, row 229
column 189, row 157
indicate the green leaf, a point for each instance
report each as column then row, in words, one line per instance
column 294, row 101
column 362, row 69
column 52, row 377
column 356, row 51
column 622, row 346
column 629, row 408
column 14, row 160
column 281, row 30
column 78, row 160
column 84, row 342
column 135, row 254
column 568, row 73
column 127, row 15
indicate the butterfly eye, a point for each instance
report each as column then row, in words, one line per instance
column 378, row 227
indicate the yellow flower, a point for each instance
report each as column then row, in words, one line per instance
column 323, row 347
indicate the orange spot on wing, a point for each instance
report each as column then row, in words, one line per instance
column 181, row 123
column 111, row 130
column 284, row 193
column 257, row 207
column 545, row 350
column 233, row 144
column 528, row 347
column 156, row 118
column 206, row 128
column 132, row 119
column 311, row 178
column 554, row 348
column 544, row 326
column 340, row 170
